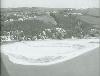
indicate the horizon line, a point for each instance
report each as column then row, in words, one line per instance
column 52, row 7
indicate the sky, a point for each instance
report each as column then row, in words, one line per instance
column 50, row 3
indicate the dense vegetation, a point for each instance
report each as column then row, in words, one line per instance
column 34, row 23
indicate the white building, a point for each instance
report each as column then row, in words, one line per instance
column 11, row 20
column 20, row 19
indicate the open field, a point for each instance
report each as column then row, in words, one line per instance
column 47, row 52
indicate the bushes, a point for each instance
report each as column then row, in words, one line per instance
column 66, row 26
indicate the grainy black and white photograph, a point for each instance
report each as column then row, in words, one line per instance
column 50, row 38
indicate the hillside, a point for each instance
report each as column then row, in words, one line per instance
column 44, row 23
